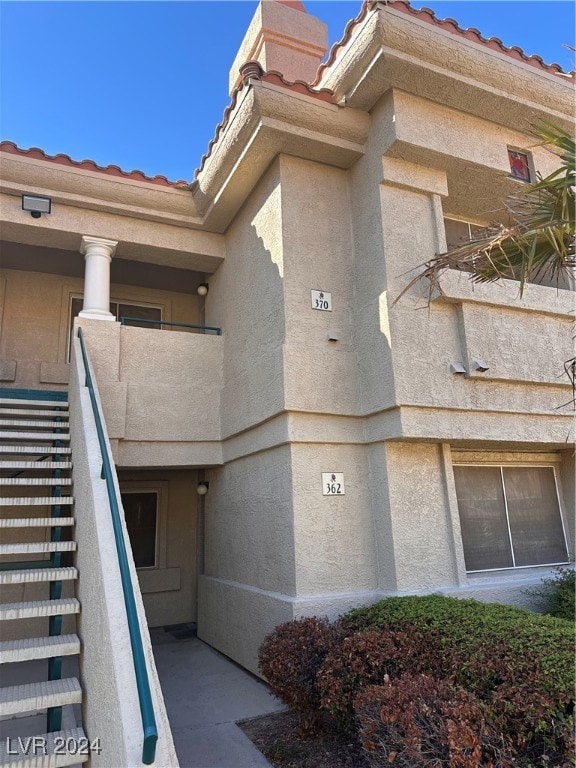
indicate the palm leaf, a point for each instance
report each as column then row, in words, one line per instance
column 538, row 245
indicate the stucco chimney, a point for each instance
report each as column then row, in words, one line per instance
column 284, row 37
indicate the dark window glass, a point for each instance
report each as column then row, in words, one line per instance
column 118, row 310
column 509, row 517
column 483, row 518
column 141, row 512
column 146, row 313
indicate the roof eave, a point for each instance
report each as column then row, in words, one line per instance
column 390, row 49
column 265, row 121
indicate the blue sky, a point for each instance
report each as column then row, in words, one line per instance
column 143, row 85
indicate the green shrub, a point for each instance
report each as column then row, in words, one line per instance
column 518, row 663
column 418, row 721
column 556, row 595
column 289, row 659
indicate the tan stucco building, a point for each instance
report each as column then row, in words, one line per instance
column 323, row 187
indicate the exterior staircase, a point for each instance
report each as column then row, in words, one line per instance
column 39, row 646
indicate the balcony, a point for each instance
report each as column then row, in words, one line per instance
column 160, row 392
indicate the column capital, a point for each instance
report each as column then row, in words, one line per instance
column 98, row 245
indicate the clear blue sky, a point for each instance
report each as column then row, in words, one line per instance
column 143, row 85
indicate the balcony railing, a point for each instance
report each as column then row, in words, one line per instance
column 208, row 328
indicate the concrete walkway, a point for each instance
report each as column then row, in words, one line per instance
column 205, row 694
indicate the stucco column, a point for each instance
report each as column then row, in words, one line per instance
column 98, row 255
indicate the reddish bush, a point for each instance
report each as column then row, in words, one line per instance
column 290, row 658
column 518, row 664
column 366, row 658
column 416, row 721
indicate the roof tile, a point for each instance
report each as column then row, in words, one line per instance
column 111, row 170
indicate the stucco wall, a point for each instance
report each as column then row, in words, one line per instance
column 398, row 191
column 320, row 375
column 334, row 536
column 160, row 393
column 35, row 315
column 246, row 299
column 249, row 522
column 169, row 589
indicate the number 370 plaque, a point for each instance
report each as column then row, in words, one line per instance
column 333, row 483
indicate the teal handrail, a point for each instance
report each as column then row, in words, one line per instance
column 142, row 682
column 217, row 331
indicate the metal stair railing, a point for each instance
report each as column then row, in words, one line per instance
column 142, row 682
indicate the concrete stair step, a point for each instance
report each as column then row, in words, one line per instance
column 38, row 648
column 51, row 436
column 28, row 698
column 32, row 449
column 33, row 575
column 36, row 480
column 35, row 501
column 23, row 464
column 39, row 423
column 15, row 402
column 38, row 609
column 35, row 547
column 43, row 414
column 45, row 756
column 35, row 522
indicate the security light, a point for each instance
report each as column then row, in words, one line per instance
column 202, row 488
column 457, row 368
column 36, row 205
column 202, row 289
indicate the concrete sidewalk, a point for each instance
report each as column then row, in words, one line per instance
column 205, row 694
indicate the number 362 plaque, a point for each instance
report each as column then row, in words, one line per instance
column 333, row 483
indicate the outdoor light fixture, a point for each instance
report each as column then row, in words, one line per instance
column 36, row 205
column 457, row 368
column 202, row 488
column 202, row 289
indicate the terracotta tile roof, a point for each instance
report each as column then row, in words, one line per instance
column 275, row 78
column 89, row 165
column 450, row 25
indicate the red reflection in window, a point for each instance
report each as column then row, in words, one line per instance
column 519, row 168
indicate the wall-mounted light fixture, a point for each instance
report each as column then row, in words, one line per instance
column 202, row 488
column 202, row 289
column 36, row 205
column 457, row 368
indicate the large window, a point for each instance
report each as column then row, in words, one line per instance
column 509, row 517
column 122, row 309
column 119, row 309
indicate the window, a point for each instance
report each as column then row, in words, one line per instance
column 119, row 310
column 519, row 165
column 459, row 232
column 509, row 517
column 141, row 513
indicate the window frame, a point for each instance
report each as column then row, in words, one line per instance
column 529, row 162
column 160, row 488
column 113, row 300
column 501, row 466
